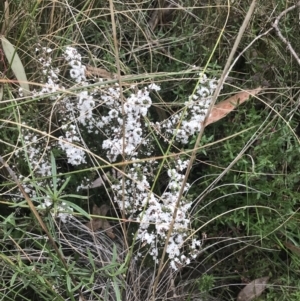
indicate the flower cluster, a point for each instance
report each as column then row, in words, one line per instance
column 60, row 210
column 155, row 213
column 75, row 110
column 35, row 151
column 156, row 218
column 118, row 122
column 33, row 145
column 75, row 155
column 185, row 124
column 125, row 134
column 77, row 71
column 50, row 80
column 134, row 197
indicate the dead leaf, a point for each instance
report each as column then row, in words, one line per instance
column 100, row 222
column 293, row 248
column 153, row 19
column 98, row 182
column 253, row 289
column 115, row 174
column 98, row 72
column 160, row 14
column 224, row 107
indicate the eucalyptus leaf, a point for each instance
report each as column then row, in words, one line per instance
column 253, row 289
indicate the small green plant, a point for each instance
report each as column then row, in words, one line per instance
column 56, row 199
column 205, row 283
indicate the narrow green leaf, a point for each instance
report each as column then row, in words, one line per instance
column 78, row 209
column 117, row 289
column 63, row 186
column 15, row 64
column 114, row 258
column 54, row 175
column 92, row 278
column 91, row 259
column 10, row 220
column 77, row 287
column 75, row 196
column 69, row 283
column 13, row 279
column 42, row 280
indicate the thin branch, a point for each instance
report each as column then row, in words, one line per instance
column 119, row 78
column 275, row 25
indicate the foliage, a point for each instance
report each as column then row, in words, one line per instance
column 127, row 109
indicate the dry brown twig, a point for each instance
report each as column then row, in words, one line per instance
column 275, row 25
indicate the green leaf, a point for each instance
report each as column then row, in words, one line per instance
column 78, row 209
column 54, row 175
column 92, row 278
column 15, row 64
column 63, row 186
column 75, row 196
column 117, row 289
column 91, row 259
column 69, row 286
column 13, row 279
column 42, row 280
column 77, row 287
column 10, row 220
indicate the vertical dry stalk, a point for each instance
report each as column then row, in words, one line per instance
column 114, row 29
column 193, row 156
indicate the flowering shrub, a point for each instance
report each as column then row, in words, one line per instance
column 123, row 131
column 193, row 115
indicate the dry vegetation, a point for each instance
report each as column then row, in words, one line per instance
column 101, row 198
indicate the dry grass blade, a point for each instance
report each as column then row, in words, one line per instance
column 6, row 18
column 253, row 289
column 226, row 106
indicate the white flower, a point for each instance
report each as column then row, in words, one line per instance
column 75, row 73
column 202, row 78
column 154, row 87
column 203, row 92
